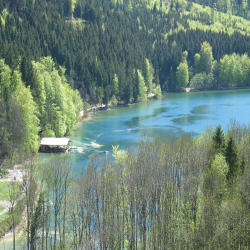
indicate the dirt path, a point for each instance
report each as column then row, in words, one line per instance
column 8, row 205
column 17, row 175
column 14, row 174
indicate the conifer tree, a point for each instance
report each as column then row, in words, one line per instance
column 218, row 140
column 231, row 154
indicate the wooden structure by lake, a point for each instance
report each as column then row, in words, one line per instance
column 55, row 145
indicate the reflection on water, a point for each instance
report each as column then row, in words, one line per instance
column 171, row 116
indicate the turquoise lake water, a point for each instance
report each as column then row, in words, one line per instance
column 170, row 116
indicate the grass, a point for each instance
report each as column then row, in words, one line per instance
column 3, row 173
column 5, row 189
column 2, row 208
column 7, row 214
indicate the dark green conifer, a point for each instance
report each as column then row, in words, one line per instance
column 218, row 140
column 231, row 154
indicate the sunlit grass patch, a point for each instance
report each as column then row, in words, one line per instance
column 1, row 208
column 5, row 189
column 3, row 173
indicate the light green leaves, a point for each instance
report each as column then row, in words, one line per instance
column 142, row 88
column 59, row 105
column 182, row 75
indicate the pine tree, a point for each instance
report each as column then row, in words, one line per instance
column 218, row 140
column 231, row 154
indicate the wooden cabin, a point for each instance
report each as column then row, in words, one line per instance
column 54, row 145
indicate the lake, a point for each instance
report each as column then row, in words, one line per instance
column 172, row 115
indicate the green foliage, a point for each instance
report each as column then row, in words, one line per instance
column 215, row 178
column 115, row 85
column 102, row 67
column 3, row 17
column 234, row 70
column 157, row 90
column 231, row 154
column 113, row 102
column 36, row 222
column 184, row 56
column 2, row 208
column 4, row 187
column 149, row 75
column 102, row 55
column 218, row 144
column 197, row 63
column 12, row 83
column 5, row 77
column 179, row 181
column 202, row 81
column 59, row 105
column 6, row 224
column 29, row 112
column 119, row 155
column 39, row 89
column 197, row 82
column 142, row 89
column 51, row 107
column 182, row 75
column 206, row 58
column 48, row 132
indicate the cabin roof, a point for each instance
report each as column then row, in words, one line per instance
column 50, row 141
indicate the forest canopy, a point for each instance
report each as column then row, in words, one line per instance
column 188, row 193
column 50, row 108
column 109, row 47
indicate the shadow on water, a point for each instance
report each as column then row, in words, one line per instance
column 188, row 120
column 202, row 109
column 135, row 121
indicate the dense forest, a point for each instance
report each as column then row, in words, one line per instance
column 50, row 108
column 188, row 193
column 103, row 44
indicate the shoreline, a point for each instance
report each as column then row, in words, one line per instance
column 187, row 90
column 101, row 108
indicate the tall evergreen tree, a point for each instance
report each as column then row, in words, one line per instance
column 218, row 140
column 231, row 154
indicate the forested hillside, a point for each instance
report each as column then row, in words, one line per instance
column 103, row 44
column 49, row 108
column 110, row 51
